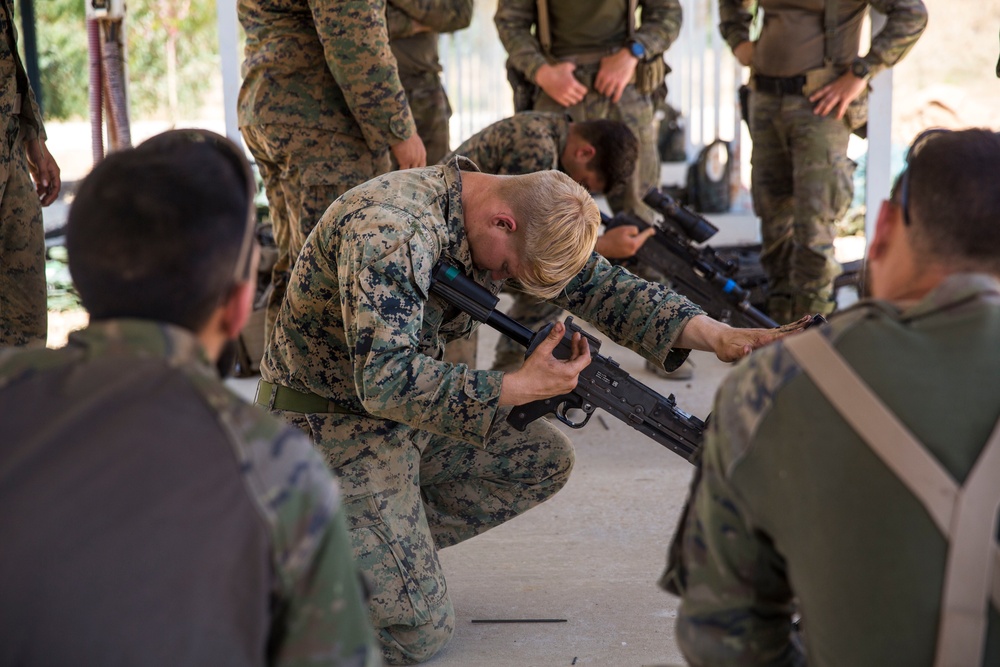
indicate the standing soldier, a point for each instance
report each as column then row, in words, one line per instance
column 23, row 157
column 809, row 90
column 320, row 109
column 413, row 36
column 598, row 65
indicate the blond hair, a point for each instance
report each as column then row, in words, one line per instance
column 559, row 220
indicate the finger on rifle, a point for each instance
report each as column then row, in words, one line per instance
column 552, row 339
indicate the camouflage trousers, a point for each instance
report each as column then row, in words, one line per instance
column 801, row 183
column 408, row 493
column 304, row 170
column 23, row 292
column 637, row 112
column 431, row 112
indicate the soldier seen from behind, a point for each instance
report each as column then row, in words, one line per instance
column 851, row 474
column 149, row 515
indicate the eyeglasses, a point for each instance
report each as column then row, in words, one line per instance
column 235, row 156
column 904, row 178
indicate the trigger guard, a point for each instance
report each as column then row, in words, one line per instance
column 561, row 415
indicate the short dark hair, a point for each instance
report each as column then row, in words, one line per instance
column 615, row 150
column 155, row 232
column 954, row 206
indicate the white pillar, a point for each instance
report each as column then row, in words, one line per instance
column 229, row 54
column 878, row 172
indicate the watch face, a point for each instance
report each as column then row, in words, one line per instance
column 859, row 69
column 637, row 50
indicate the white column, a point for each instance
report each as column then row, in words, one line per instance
column 229, row 54
column 878, row 173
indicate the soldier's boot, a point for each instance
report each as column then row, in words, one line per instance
column 810, row 304
column 683, row 372
column 779, row 308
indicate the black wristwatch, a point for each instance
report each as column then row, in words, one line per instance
column 636, row 49
column 860, row 68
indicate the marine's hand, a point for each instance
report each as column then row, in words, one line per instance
column 544, row 376
column 44, row 171
column 560, row 84
column 615, row 73
column 837, row 95
column 410, row 153
column 744, row 53
column 730, row 344
column 624, row 241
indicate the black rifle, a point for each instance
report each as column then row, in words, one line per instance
column 602, row 384
column 699, row 273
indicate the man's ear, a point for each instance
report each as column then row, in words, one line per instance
column 889, row 216
column 504, row 222
column 585, row 153
column 237, row 308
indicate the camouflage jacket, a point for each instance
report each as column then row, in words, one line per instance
column 142, row 494
column 592, row 26
column 524, row 143
column 14, row 79
column 905, row 21
column 359, row 325
column 325, row 65
column 794, row 508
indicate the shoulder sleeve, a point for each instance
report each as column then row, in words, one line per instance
column 438, row 15
column 735, row 17
column 661, row 24
column 905, row 22
column 736, row 603
column 356, row 47
column 514, row 19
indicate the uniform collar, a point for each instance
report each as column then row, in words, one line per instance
column 142, row 338
column 954, row 291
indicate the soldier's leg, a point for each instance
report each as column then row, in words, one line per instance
column 325, row 166
column 270, row 173
column 771, row 189
column 23, row 291
column 823, row 176
column 532, row 313
column 377, row 463
column 431, row 111
column 467, row 490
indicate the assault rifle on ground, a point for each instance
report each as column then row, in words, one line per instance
column 602, row 384
column 699, row 273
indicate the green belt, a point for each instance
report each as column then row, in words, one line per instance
column 276, row 397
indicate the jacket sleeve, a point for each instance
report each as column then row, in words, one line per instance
column 514, row 19
column 736, row 602
column 735, row 17
column 661, row 24
column 438, row 15
column 356, row 47
column 905, row 22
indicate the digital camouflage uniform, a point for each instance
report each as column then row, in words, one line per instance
column 23, row 295
column 419, row 68
column 152, row 517
column 793, row 509
column 802, row 180
column 423, row 451
column 522, row 144
column 593, row 27
column 320, row 105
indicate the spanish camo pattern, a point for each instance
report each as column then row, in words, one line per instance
column 317, row 585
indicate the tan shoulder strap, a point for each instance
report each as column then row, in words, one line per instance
column 544, row 32
column 630, row 19
column 967, row 516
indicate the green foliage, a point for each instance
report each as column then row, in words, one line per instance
column 62, row 293
column 63, row 61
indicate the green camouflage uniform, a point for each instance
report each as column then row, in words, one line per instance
column 23, row 296
column 320, row 105
column 802, row 180
column 423, row 451
column 588, row 27
column 152, row 517
column 522, row 144
column 794, row 509
column 419, row 68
